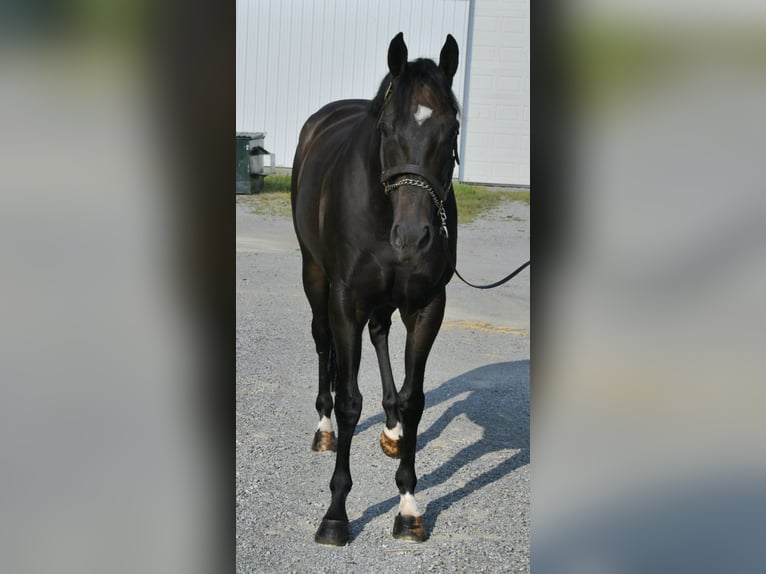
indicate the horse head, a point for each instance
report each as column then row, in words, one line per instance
column 418, row 125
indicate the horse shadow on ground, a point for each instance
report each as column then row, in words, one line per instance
column 497, row 400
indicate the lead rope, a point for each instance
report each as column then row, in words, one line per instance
column 491, row 285
column 453, row 264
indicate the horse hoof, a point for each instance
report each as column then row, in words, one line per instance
column 323, row 440
column 409, row 528
column 333, row 532
column 389, row 446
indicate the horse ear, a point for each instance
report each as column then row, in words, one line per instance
column 448, row 58
column 397, row 55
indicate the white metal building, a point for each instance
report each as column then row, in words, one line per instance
column 294, row 56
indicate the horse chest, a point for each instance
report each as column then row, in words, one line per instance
column 399, row 286
column 411, row 289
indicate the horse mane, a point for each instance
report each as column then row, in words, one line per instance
column 421, row 71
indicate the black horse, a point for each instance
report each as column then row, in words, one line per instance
column 377, row 226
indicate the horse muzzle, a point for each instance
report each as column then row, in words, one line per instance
column 411, row 240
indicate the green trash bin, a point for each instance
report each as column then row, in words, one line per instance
column 247, row 180
column 243, row 163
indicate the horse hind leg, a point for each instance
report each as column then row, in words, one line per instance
column 324, row 437
column 316, row 287
column 379, row 327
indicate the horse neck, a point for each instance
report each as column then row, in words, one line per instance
column 364, row 144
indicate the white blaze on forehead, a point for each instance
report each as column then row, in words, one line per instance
column 422, row 114
column 408, row 506
column 325, row 425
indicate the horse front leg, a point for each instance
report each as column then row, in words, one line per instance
column 422, row 328
column 347, row 325
column 380, row 325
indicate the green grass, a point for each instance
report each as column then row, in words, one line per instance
column 277, row 184
column 274, row 199
column 472, row 200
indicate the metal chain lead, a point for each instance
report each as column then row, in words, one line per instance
column 389, row 187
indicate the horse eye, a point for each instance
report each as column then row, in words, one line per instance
column 384, row 129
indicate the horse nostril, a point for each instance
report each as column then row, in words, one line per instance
column 396, row 238
column 425, row 239
column 408, row 240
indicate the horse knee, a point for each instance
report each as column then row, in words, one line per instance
column 379, row 331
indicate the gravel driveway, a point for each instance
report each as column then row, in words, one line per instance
column 473, row 446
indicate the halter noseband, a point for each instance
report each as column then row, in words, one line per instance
column 423, row 180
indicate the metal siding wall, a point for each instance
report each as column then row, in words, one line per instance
column 497, row 123
column 294, row 56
